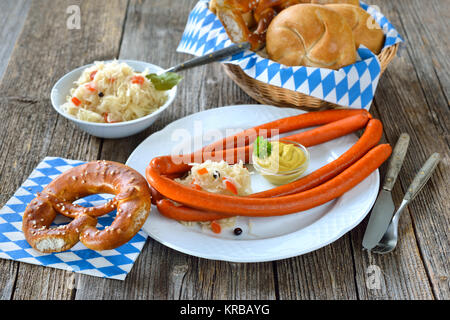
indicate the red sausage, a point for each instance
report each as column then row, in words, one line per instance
column 330, row 131
column 368, row 140
column 284, row 125
column 182, row 213
column 243, row 206
column 327, row 132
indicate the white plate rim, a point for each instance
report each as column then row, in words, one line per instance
column 255, row 258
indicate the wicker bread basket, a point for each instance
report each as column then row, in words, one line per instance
column 272, row 95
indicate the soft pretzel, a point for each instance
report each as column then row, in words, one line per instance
column 132, row 201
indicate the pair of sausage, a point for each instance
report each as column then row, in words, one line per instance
column 321, row 186
column 335, row 123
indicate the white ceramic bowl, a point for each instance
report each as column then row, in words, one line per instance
column 62, row 88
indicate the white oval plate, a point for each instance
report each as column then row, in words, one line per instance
column 262, row 239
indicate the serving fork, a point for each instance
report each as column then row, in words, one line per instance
column 210, row 57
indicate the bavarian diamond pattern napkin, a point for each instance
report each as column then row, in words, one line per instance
column 113, row 264
column 352, row 86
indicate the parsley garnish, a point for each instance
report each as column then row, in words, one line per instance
column 262, row 147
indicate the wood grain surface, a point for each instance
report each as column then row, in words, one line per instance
column 413, row 96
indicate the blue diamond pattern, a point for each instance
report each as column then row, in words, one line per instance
column 366, row 95
column 111, row 271
column 328, row 84
column 341, row 89
column 361, row 67
column 18, row 254
column 300, row 76
column 285, row 74
column 261, row 66
column 314, row 79
column 354, row 92
column 272, row 70
column 6, row 227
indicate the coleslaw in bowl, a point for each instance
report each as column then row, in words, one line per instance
column 64, row 88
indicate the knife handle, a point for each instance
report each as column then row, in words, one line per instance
column 422, row 176
column 396, row 162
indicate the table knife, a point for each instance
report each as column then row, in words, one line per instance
column 384, row 208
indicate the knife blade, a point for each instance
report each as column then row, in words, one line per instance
column 384, row 207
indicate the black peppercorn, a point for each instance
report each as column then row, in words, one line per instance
column 237, row 231
column 100, row 94
column 216, row 174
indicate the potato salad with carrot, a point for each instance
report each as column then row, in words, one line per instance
column 113, row 92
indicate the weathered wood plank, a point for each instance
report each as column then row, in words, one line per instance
column 429, row 118
column 30, row 128
column 410, row 99
column 12, row 16
column 325, row 274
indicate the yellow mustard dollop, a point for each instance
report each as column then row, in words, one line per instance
column 286, row 162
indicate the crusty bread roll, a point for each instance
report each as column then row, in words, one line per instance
column 311, row 35
column 365, row 29
column 353, row 2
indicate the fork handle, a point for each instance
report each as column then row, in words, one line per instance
column 422, row 176
column 396, row 162
column 211, row 57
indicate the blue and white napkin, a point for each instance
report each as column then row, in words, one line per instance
column 352, row 86
column 114, row 264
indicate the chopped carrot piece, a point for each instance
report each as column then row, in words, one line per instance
column 215, row 227
column 76, row 101
column 196, row 186
column 92, row 75
column 91, row 87
column 137, row 79
column 202, row 171
column 231, row 187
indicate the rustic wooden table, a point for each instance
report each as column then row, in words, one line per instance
column 413, row 96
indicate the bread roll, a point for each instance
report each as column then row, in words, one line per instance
column 352, row 2
column 365, row 29
column 310, row 35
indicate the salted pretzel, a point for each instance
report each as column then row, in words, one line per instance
column 132, row 201
column 248, row 20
